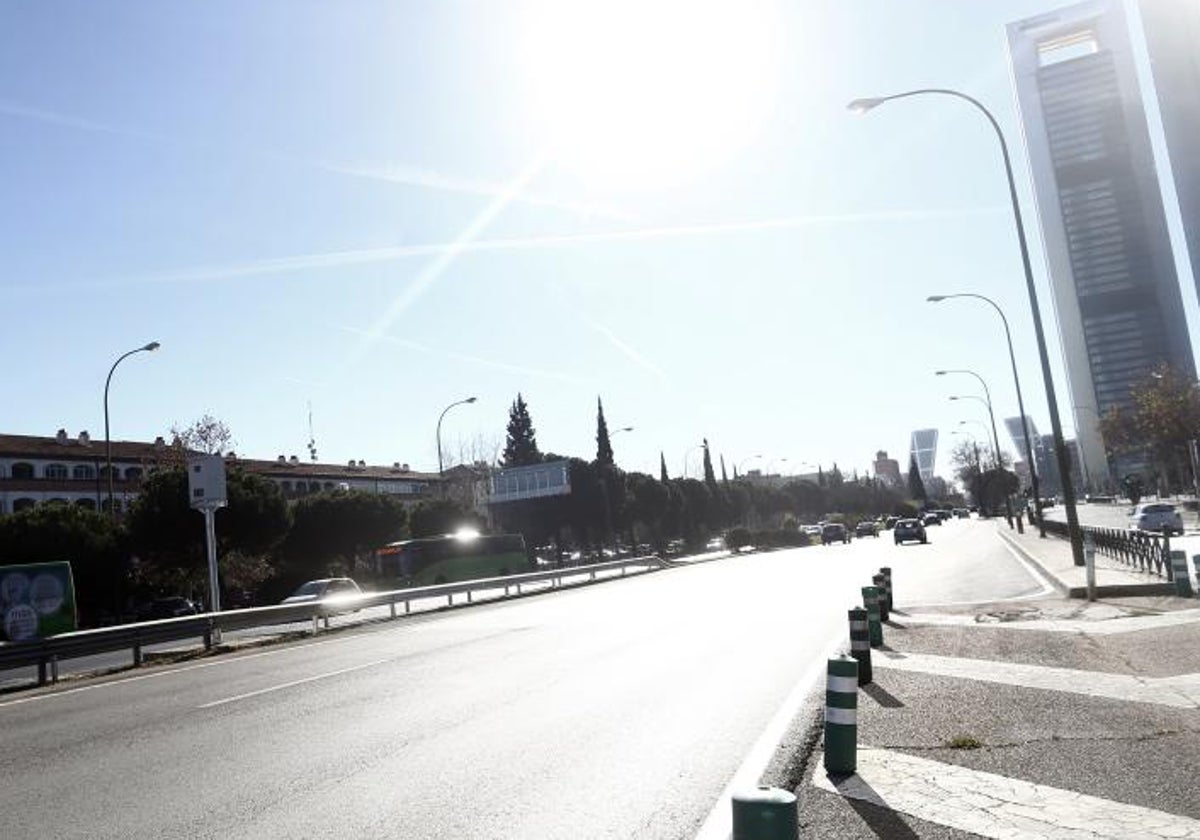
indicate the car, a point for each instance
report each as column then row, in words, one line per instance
column 890, row 522
column 944, row 514
column 811, row 530
column 866, row 529
column 1159, row 517
column 931, row 518
column 908, row 530
column 833, row 532
column 331, row 593
column 172, row 606
column 962, row 513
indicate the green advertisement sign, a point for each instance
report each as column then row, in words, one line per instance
column 36, row 600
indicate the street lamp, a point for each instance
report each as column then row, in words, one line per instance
column 622, row 429
column 148, row 348
column 988, row 394
column 994, row 440
column 1064, row 460
column 742, row 464
column 467, row 401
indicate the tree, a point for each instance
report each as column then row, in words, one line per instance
column 168, row 536
column 916, row 487
column 662, row 468
column 520, row 447
column 604, row 450
column 1162, row 416
column 648, row 503
column 724, row 477
column 710, row 477
column 208, row 435
column 440, row 516
column 88, row 540
column 332, row 530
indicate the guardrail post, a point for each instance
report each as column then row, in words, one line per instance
column 765, row 814
column 871, row 601
column 1166, row 557
column 137, row 652
column 860, row 644
column 1089, row 562
column 326, row 622
column 469, row 600
column 315, row 625
column 886, row 571
column 42, row 663
column 407, row 607
column 392, row 608
column 54, row 669
column 1183, row 585
column 881, row 588
column 841, row 716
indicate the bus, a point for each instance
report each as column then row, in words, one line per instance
column 466, row 555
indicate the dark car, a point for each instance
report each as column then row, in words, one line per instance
column 909, row 530
column 931, row 519
column 834, row 532
column 866, row 529
column 173, row 606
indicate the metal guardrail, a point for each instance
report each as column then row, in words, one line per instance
column 48, row 652
column 1140, row 550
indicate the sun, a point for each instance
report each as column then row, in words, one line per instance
column 647, row 93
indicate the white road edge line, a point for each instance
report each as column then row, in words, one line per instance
column 719, row 823
column 291, row 684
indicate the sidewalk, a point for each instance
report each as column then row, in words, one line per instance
column 1052, row 556
column 1046, row 719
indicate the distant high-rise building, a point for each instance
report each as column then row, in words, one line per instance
column 1112, row 270
column 924, row 448
column 1013, row 424
column 887, row 469
column 1172, row 29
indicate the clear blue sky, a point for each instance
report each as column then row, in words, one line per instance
column 383, row 207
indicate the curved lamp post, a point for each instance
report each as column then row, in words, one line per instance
column 467, row 401
column 148, row 348
column 987, row 404
column 988, row 395
column 1064, row 460
column 685, row 457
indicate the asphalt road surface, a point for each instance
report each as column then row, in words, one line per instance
column 612, row 711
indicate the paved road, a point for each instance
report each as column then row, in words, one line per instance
column 618, row 710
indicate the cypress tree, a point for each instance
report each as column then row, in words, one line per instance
column 724, row 477
column 916, row 487
column 520, row 448
column 662, row 468
column 710, row 478
column 604, row 451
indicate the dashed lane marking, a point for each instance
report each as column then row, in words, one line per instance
column 1181, row 692
column 996, row 806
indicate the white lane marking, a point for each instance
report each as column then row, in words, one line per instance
column 719, row 823
column 292, row 684
column 1181, row 692
column 169, row 671
column 1091, row 627
column 996, row 806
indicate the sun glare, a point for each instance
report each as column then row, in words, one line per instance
column 629, row 93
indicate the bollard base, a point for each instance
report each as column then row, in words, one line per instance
column 765, row 814
column 841, row 749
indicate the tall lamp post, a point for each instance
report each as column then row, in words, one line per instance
column 988, row 395
column 149, row 348
column 1064, row 460
column 987, row 405
column 467, row 401
column 685, row 457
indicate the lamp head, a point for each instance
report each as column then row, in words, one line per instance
column 152, row 346
column 935, row 298
column 861, row 106
column 939, row 373
column 470, row 399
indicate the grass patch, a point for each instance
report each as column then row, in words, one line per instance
column 964, row 742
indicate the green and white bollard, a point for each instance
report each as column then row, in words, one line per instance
column 841, row 716
column 860, row 644
column 1179, row 571
column 886, row 571
column 881, row 587
column 765, row 814
column 875, row 627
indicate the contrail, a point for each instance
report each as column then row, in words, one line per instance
column 636, row 357
column 434, row 270
column 371, row 256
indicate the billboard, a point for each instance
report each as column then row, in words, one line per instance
column 36, row 600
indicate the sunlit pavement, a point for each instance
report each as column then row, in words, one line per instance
column 619, row 710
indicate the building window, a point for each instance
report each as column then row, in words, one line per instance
column 23, row 504
column 56, row 471
column 22, row 469
column 82, row 472
column 133, row 473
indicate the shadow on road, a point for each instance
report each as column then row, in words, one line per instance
column 883, row 821
column 882, row 696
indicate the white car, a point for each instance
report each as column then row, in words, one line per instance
column 1158, row 517
column 336, row 595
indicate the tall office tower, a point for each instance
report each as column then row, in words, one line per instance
column 1172, row 29
column 1013, row 424
column 1116, row 293
column 924, row 449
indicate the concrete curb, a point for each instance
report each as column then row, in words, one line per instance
column 1120, row 590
